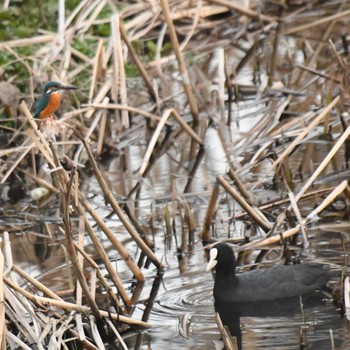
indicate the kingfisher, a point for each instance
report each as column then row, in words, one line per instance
column 50, row 101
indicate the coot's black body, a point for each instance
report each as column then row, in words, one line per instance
column 277, row 282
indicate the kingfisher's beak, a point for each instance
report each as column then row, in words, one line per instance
column 67, row 87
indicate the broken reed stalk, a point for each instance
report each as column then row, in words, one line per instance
column 93, row 106
column 280, row 202
column 36, row 283
column 230, row 344
column 324, row 163
column 137, row 60
column 115, row 242
column 274, row 60
column 102, row 279
column 181, row 62
column 253, row 212
column 302, row 135
column 97, row 69
column 212, row 207
column 189, row 220
column 115, row 205
column 45, row 302
column 298, row 215
column 119, row 89
column 239, row 184
column 251, row 53
column 65, row 194
column 165, row 145
column 101, row 251
column 192, row 172
column 343, row 187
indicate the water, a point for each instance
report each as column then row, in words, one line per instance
column 187, row 295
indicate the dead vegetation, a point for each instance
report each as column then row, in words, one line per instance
column 269, row 80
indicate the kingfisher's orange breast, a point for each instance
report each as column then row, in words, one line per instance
column 52, row 106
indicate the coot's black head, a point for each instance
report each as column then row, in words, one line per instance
column 222, row 258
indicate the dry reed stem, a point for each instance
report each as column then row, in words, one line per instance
column 324, row 163
column 118, row 69
column 324, row 20
column 256, row 215
column 102, row 279
column 28, row 41
column 116, row 244
column 102, row 131
column 225, row 334
column 91, row 129
column 200, row 11
column 181, row 62
column 115, row 205
column 36, row 283
column 300, row 219
column 309, row 127
column 282, row 129
column 273, row 63
column 99, row 96
column 311, row 61
column 97, row 69
column 186, row 127
column 2, row 303
column 310, row 218
column 30, row 327
column 137, row 61
column 80, row 261
column 342, row 187
column 244, row 11
column 101, row 251
column 347, row 297
column 240, row 185
column 40, row 181
column 209, row 215
column 281, row 202
column 156, row 133
column 48, row 302
column 65, row 194
column 18, row 341
column 146, row 114
column 17, row 161
column 115, row 331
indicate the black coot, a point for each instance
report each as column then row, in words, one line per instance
column 283, row 281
